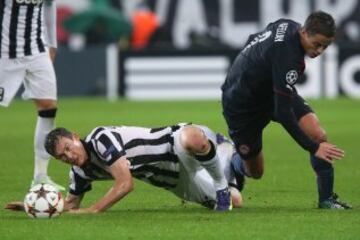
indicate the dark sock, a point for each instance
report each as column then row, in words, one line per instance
column 325, row 177
column 238, row 164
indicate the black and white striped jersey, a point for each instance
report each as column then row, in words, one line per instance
column 21, row 28
column 149, row 151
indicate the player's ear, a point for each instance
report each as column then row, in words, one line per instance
column 302, row 31
column 303, row 35
column 76, row 136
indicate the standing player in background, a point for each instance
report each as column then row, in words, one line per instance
column 260, row 87
column 24, row 59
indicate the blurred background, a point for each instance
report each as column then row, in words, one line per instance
column 181, row 49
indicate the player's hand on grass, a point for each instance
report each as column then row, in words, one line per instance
column 329, row 152
column 15, row 206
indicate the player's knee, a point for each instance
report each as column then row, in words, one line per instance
column 254, row 167
column 45, row 104
column 256, row 174
column 194, row 140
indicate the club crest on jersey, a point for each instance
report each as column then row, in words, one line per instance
column 28, row 2
column 291, row 77
column 109, row 151
column 244, row 149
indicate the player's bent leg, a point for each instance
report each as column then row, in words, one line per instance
column 248, row 144
column 254, row 166
column 237, row 168
column 310, row 124
column 194, row 140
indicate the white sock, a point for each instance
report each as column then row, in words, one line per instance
column 225, row 152
column 43, row 127
column 214, row 169
column 213, row 166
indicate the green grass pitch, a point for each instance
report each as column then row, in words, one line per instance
column 282, row 205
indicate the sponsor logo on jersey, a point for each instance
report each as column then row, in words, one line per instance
column 109, row 151
column 291, row 77
column 29, row 2
column 280, row 32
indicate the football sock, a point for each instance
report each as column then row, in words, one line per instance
column 44, row 124
column 210, row 161
column 325, row 177
column 238, row 165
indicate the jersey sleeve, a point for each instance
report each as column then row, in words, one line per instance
column 286, row 71
column 108, row 146
column 50, row 23
column 79, row 184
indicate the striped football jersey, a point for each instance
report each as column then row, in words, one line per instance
column 148, row 150
column 21, row 28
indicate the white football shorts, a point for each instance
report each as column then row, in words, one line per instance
column 35, row 72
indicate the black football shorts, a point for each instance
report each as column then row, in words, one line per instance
column 246, row 127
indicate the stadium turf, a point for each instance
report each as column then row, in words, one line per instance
column 282, row 205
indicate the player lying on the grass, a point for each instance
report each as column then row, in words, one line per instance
column 189, row 160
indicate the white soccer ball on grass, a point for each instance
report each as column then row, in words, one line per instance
column 43, row 201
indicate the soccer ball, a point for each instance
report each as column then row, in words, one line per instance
column 43, row 201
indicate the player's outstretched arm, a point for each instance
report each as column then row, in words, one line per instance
column 122, row 186
column 329, row 152
column 70, row 202
column 15, row 206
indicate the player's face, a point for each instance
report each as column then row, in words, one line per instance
column 314, row 45
column 71, row 151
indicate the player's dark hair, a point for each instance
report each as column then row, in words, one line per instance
column 320, row 22
column 52, row 139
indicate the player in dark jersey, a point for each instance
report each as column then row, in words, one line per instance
column 260, row 87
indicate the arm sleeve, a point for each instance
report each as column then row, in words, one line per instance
column 78, row 183
column 50, row 23
column 285, row 70
column 109, row 146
